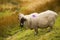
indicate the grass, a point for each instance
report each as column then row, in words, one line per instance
column 8, row 24
column 42, row 35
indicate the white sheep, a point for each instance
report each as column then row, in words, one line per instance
column 42, row 20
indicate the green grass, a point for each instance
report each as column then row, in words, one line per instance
column 42, row 35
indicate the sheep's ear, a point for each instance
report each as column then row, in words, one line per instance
column 21, row 15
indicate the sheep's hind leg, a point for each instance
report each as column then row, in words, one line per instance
column 50, row 28
column 36, row 30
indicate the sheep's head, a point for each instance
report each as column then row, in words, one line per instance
column 22, row 21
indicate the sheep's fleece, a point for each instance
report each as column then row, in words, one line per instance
column 40, row 20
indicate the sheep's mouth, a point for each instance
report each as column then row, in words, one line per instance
column 21, row 24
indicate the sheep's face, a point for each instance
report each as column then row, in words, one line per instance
column 22, row 21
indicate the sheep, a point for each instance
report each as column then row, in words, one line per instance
column 42, row 20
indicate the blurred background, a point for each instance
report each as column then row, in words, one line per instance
column 9, row 23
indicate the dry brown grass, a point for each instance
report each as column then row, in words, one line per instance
column 37, row 5
column 8, row 6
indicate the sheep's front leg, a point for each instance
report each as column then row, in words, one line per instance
column 36, row 30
